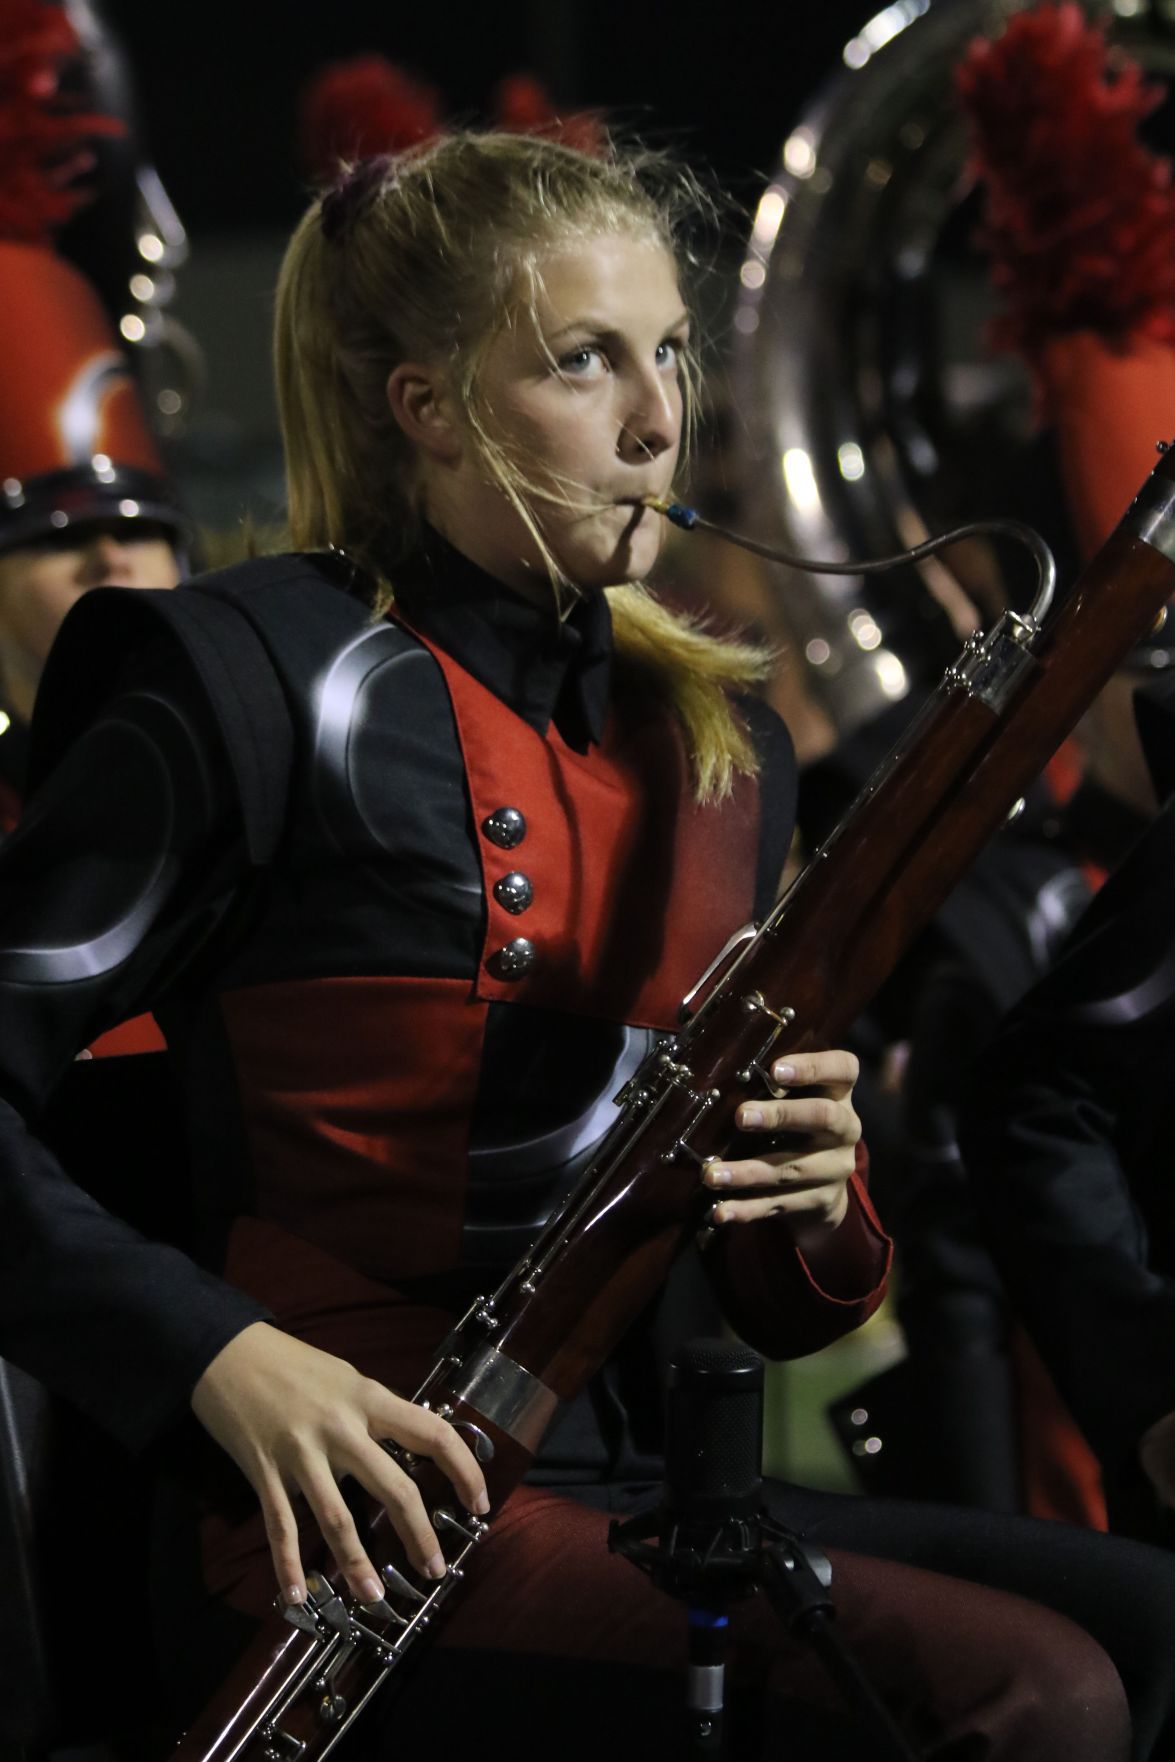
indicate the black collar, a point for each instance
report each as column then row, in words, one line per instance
column 545, row 669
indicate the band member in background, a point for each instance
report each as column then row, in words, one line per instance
column 1068, row 1142
column 414, row 838
column 84, row 501
column 1076, row 228
column 1067, row 1131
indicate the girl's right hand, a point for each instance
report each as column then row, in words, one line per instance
column 295, row 1420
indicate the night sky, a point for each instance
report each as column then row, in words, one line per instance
column 218, row 83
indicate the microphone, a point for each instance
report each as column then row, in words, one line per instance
column 711, row 1542
column 713, row 1489
column 714, row 1433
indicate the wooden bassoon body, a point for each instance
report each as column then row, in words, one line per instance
column 797, row 982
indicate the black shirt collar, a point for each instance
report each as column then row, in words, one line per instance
column 545, row 669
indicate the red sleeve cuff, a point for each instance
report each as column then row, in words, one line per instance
column 852, row 1265
column 785, row 1304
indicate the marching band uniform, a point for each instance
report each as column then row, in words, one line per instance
column 396, row 746
column 1067, row 1134
column 315, row 842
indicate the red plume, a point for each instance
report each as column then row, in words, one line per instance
column 352, row 109
column 44, row 142
column 522, row 106
column 1080, row 217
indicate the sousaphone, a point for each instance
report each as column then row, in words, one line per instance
column 872, row 412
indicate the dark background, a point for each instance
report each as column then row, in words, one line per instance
column 217, row 88
column 218, row 83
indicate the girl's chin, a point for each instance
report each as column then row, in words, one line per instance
column 636, row 554
column 609, row 560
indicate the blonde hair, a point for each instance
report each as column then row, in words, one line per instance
column 426, row 256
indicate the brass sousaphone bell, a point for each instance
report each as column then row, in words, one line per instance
column 872, row 412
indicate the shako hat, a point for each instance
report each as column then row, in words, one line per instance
column 74, row 441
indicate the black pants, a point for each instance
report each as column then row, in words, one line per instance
column 1120, row 1592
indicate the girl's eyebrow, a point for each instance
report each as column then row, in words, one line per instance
column 603, row 328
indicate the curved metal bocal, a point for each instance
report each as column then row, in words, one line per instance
column 872, row 413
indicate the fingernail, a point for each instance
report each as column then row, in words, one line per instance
column 717, row 1216
column 435, row 1568
column 719, row 1177
column 481, row 1504
column 783, row 1073
column 750, row 1116
column 370, row 1590
column 295, row 1593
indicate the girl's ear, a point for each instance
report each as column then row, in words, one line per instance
column 422, row 407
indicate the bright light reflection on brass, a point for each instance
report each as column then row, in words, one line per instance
column 771, row 210
column 851, row 460
column 891, row 675
column 800, row 479
column 880, row 30
column 864, row 628
column 799, row 153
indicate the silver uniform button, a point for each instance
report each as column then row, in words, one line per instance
column 505, row 827
column 514, row 891
column 515, row 961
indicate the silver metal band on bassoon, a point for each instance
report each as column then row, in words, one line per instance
column 505, row 1394
column 1151, row 516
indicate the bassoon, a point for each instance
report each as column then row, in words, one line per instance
column 795, row 982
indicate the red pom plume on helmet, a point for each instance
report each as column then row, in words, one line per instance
column 353, row 109
column 522, row 106
column 1079, row 222
column 44, row 142
column 367, row 106
column 74, row 442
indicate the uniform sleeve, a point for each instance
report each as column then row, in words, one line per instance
column 106, row 892
column 785, row 1305
column 1067, row 1137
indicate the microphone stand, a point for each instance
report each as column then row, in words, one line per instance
column 710, row 1544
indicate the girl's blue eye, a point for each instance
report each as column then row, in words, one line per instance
column 669, row 353
column 579, row 361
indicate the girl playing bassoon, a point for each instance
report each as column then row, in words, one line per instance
column 413, row 839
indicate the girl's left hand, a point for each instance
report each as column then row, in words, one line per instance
column 807, row 1185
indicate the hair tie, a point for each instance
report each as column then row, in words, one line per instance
column 342, row 203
